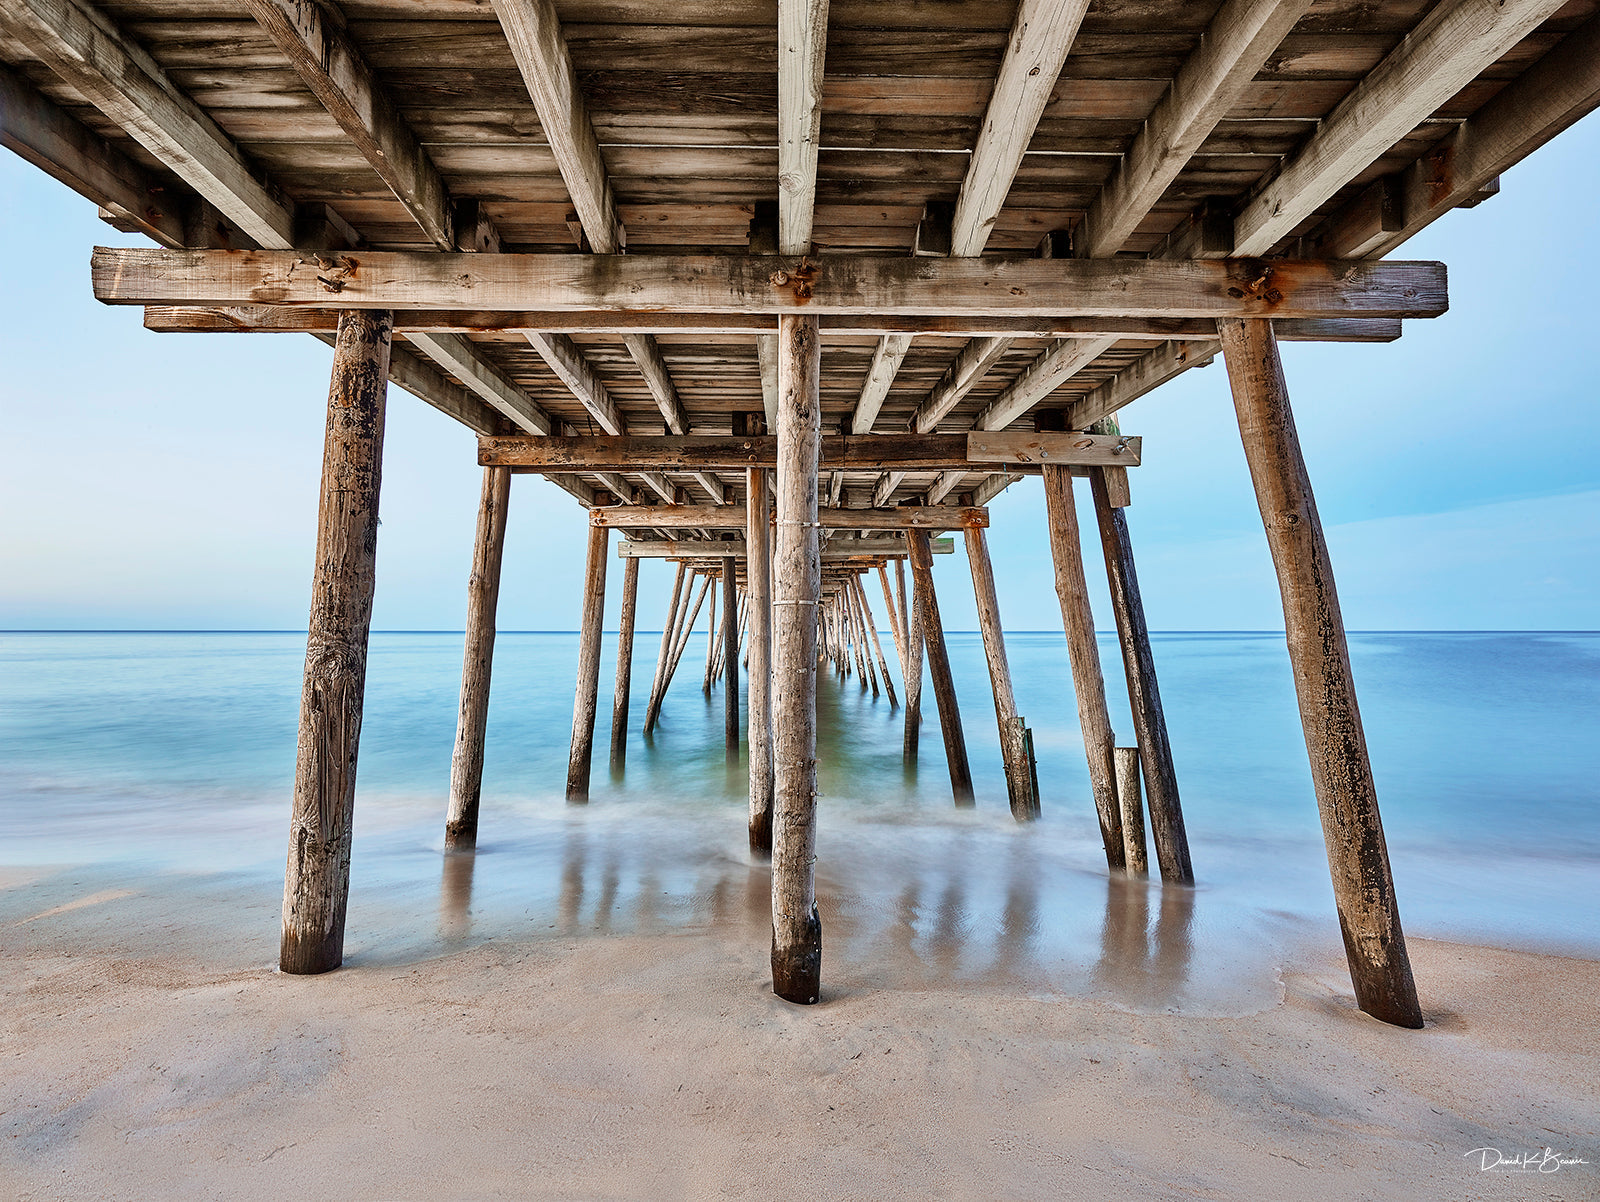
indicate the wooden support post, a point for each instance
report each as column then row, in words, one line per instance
column 684, row 634
column 588, row 687
column 758, row 573
column 1131, row 807
column 895, row 628
column 864, row 665
column 730, row 659
column 1013, row 742
column 483, row 593
column 1139, row 664
column 877, row 646
column 944, row 685
column 1084, row 654
column 316, row 884
column 669, row 634
column 624, row 685
column 1358, row 858
column 712, row 631
column 797, row 586
column 913, row 665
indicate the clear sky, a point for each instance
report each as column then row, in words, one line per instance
column 170, row 481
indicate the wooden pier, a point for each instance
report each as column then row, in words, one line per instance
column 786, row 292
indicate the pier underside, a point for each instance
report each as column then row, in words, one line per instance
column 785, row 293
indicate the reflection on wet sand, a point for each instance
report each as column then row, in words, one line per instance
column 903, row 907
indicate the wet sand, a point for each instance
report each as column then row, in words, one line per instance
column 580, row 1047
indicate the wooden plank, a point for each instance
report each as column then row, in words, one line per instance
column 733, row 517
column 886, row 360
column 796, row 574
column 970, row 365
column 1447, row 50
column 1551, row 95
column 427, row 383
column 483, row 595
column 1341, row 772
column 35, row 128
column 534, row 32
column 1150, row 371
column 802, row 47
column 121, row 80
column 839, row 552
column 1039, row 379
column 1206, row 88
column 280, row 319
column 337, row 74
column 1041, row 36
column 1114, row 450
column 461, row 359
column 754, row 284
column 316, row 883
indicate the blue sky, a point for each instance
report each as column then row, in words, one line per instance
column 169, row 481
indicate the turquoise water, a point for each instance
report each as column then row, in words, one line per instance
column 173, row 753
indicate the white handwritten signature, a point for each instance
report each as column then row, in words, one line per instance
column 1545, row 1160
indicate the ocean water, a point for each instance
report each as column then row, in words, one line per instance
column 161, row 757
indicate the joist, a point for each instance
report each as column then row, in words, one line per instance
column 733, row 517
column 1446, row 51
column 716, row 549
column 284, row 319
column 1148, row 372
column 498, row 390
column 1208, row 85
column 854, row 452
column 707, row 283
column 1041, row 377
column 802, row 48
column 886, row 359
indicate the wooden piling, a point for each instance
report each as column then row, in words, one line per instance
column 877, row 646
column 852, row 590
column 1013, row 744
column 1358, row 858
column 896, row 630
column 1084, row 654
column 797, row 585
column 730, row 659
column 712, row 640
column 758, row 573
column 587, row 693
column 913, row 667
column 669, row 634
column 624, row 683
column 316, row 885
column 1131, row 808
column 1139, row 665
column 483, row 593
column 944, row 685
column 687, row 629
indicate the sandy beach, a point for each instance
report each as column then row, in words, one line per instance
column 151, row 1051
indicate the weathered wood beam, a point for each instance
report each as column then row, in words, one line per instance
column 970, row 365
column 1148, row 372
column 120, row 79
column 849, row 452
column 1341, row 771
column 839, row 284
column 1041, row 36
column 1041, row 377
column 796, row 575
column 802, row 48
column 1209, row 83
column 713, row 549
column 283, row 319
column 498, row 390
column 886, row 359
column 1447, row 50
column 34, row 127
column 733, row 517
column 332, row 66
column 1548, row 97
column 316, row 883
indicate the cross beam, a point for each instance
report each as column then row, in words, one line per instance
column 877, row 547
column 1224, row 288
column 854, row 452
column 733, row 517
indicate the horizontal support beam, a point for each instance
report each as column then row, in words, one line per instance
column 708, row 549
column 1218, row 288
column 854, row 452
column 732, row 517
column 281, row 319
